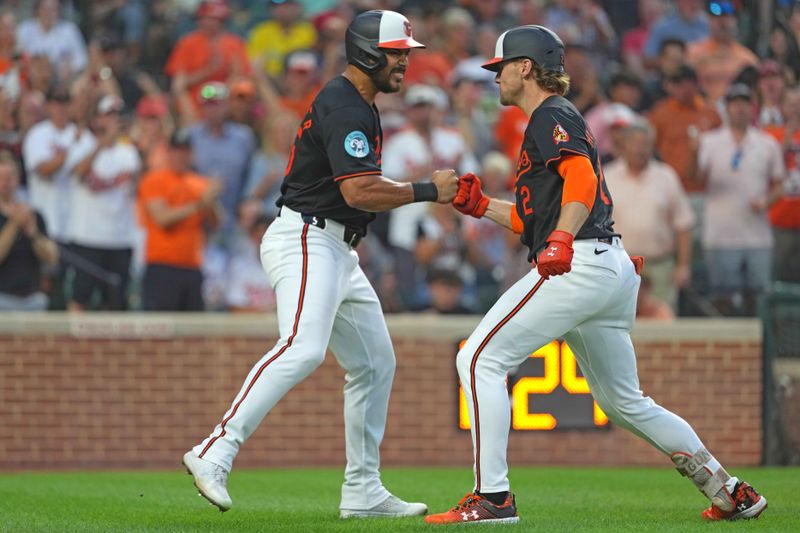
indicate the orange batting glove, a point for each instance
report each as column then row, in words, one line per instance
column 556, row 258
column 469, row 199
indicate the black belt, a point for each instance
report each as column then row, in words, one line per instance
column 351, row 236
column 606, row 240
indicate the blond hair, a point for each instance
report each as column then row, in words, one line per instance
column 550, row 80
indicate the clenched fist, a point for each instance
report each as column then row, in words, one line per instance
column 446, row 182
column 556, row 258
column 470, row 199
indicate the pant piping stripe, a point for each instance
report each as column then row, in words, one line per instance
column 283, row 348
column 472, row 365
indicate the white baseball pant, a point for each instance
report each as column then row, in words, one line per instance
column 323, row 299
column 593, row 309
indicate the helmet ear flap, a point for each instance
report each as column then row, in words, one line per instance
column 364, row 53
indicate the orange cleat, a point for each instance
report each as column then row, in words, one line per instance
column 747, row 503
column 474, row 509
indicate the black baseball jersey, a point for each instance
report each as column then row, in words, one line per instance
column 339, row 138
column 556, row 128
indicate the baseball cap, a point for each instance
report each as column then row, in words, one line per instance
column 214, row 92
column 110, row 103
column 769, row 67
column 58, row 93
column 302, row 60
column 215, row 9
column 242, row 88
column 619, row 115
column 180, row 139
column 722, row 7
column 471, row 71
column 426, row 95
column 682, row 73
column 151, row 106
column 738, row 91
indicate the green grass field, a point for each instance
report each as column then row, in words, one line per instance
column 549, row 499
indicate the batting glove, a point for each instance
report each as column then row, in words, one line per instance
column 556, row 258
column 469, row 199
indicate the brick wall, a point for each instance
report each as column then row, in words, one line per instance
column 138, row 391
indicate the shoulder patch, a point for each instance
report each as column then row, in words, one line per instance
column 356, row 144
column 560, row 135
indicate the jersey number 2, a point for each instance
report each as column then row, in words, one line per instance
column 526, row 197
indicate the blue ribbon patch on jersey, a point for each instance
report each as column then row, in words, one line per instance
column 356, row 144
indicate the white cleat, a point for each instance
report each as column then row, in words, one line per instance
column 210, row 479
column 390, row 507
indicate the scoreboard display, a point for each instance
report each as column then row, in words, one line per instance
column 547, row 392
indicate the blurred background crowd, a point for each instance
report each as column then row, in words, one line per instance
column 143, row 143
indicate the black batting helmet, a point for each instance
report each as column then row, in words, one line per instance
column 372, row 31
column 537, row 43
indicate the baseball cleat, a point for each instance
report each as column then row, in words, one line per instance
column 390, row 507
column 210, row 479
column 747, row 503
column 474, row 509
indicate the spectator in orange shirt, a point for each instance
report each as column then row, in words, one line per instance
column 209, row 53
column 300, row 82
column 784, row 214
column 720, row 58
column 770, row 88
column 678, row 120
column 174, row 205
column 8, row 26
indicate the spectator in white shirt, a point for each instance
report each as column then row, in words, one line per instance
column 743, row 168
column 652, row 212
column 412, row 154
column 60, row 40
column 49, row 156
column 102, row 226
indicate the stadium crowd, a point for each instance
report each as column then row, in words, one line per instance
column 144, row 142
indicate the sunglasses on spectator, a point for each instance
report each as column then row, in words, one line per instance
column 736, row 160
column 213, row 93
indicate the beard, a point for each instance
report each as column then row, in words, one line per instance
column 383, row 80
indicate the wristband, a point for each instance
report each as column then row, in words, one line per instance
column 425, row 191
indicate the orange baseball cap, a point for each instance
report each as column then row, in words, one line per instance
column 215, row 9
column 243, row 87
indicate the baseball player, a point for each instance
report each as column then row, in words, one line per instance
column 583, row 289
column 332, row 188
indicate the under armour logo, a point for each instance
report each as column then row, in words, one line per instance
column 742, row 506
column 552, row 252
column 473, row 513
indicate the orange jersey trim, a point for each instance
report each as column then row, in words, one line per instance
column 357, row 174
column 580, row 181
column 516, row 223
